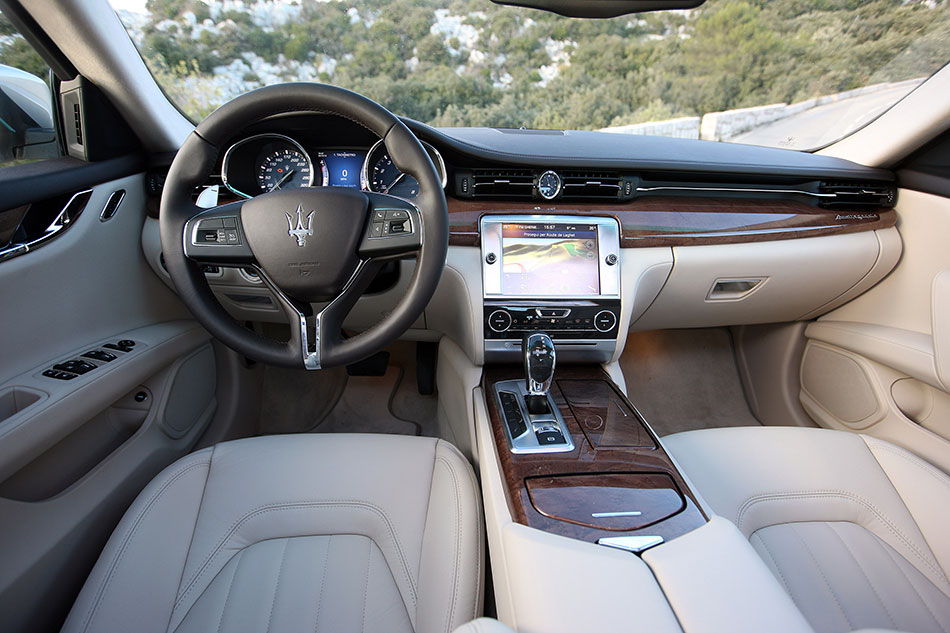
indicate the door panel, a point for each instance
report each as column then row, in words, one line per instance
column 74, row 453
column 881, row 364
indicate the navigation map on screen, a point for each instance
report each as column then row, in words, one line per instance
column 549, row 259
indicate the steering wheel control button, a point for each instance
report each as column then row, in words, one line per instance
column 98, row 354
column 214, row 223
column 379, row 215
column 376, row 230
column 397, row 227
column 605, row 320
column 499, row 320
column 397, row 214
column 611, row 259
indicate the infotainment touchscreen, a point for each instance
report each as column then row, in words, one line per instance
column 549, row 259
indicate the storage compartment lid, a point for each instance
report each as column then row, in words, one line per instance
column 609, row 501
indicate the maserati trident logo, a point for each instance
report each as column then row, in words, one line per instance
column 299, row 231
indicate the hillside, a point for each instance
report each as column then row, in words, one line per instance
column 470, row 62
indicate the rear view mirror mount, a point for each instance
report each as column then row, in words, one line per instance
column 601, row 8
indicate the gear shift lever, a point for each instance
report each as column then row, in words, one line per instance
column 539, row 361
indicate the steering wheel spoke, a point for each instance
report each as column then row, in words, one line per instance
column 394, row 228
column 217, row 236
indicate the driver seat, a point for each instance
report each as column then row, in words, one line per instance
column 295, row 533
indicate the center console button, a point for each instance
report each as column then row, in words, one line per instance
column 499, row 320
column 605, row 320
column 547, row 438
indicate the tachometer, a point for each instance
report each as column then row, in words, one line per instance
column 284, row 169
column 382, row 176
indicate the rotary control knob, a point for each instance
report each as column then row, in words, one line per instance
column 605, row 320
column 499, row 320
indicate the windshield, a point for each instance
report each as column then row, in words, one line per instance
column 783, row 73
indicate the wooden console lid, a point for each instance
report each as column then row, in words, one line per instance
column 616, row 467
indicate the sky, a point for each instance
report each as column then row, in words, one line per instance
column 129, row 5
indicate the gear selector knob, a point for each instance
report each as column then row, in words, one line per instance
column 539, row 360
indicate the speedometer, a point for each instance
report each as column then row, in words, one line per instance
column 284, row 169
column 381, row 175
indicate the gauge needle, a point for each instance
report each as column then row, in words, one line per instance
column 282, row 180
column 393, row 183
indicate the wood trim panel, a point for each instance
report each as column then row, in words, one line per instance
column 587, row 459
column 681, row 221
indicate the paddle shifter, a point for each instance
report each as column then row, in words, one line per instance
column 539, row 361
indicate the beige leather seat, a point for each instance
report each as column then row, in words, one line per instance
column 854, row 528
column 295, row 533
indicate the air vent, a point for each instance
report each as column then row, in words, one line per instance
column 508, row 183
column 592, row 184
column 849, row 195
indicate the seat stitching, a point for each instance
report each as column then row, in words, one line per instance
column 478, row 548
column 323, row 582
column 280, row 571
column 877, row 595
column 458, row 542
column 264, row 509
column 751, row 501
column 227, row 596
column 128, row 538
column 911, row 585
column 821, row 572
column 920, row 465
column 911, row 459
column 778, row 569
column 194, row 530
column 369, row 562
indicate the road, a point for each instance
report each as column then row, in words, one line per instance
column 823, row 124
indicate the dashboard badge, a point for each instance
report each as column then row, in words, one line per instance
column 299, row 231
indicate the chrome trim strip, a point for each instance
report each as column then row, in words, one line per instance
column 227, row 157
column 527, row 442
column 439, row 166
column 311, row 359
column 102, row 214
column 608, row 515
column 62, row 220
column 737, row 190
column 635, row 544
column 608, row 242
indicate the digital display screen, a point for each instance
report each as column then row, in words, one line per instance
column 342, row 168
column 549, row 259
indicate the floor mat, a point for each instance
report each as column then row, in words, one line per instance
column 330, row 401
column 682, row 380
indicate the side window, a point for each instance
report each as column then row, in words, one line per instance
column 27, row 128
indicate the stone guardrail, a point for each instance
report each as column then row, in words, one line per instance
column 719, row 126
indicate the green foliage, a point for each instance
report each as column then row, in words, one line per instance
column 726, row 54
column 17, row 52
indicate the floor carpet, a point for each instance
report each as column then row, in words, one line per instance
column 682, row 380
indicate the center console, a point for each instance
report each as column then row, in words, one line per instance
column 560, row 274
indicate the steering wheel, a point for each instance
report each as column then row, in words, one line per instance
column 309, row 245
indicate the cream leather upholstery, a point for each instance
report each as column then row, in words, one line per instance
column 295, row 533
column 483, row 625
column 854, row 528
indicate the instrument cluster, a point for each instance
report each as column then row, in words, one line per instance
column 269, row 162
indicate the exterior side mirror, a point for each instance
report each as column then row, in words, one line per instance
column 27, row 127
